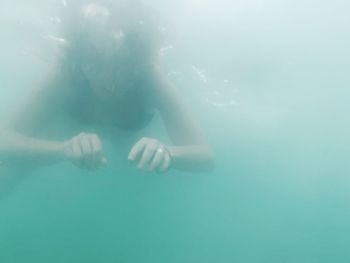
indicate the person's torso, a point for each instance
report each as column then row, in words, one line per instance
column 132, row 111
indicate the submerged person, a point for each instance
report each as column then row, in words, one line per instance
column 107, row 77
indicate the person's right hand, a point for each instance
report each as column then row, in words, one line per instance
column 85, row 151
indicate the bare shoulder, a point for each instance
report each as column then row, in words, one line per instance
column 168, row 100
column 166, row 96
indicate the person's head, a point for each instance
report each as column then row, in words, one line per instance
column 110, row 42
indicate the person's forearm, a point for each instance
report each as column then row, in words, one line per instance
column 17, row 147
column 195, row 158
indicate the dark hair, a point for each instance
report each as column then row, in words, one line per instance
column 69, row 87
column 133, row 20
column 134, row 60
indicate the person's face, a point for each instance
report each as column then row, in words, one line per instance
column 101, row 54
column 110, row 67
column 103, row 72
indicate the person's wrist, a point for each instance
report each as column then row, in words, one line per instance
column 59, row 149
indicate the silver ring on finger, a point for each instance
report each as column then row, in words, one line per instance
column 160, row 149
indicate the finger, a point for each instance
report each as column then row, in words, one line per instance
column 77, row 154
column 147, row 154
column 96, row 146
column 137, row 149
column 166, row 163
column 86, row 149
column 157, row 160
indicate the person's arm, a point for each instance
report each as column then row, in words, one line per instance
column 190, row 150
column 22, row 145
column 17, row 149
column 19, row 140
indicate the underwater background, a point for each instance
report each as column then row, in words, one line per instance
column 268, row 80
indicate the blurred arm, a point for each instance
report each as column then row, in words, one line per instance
column 18, row 145
column 190, row 151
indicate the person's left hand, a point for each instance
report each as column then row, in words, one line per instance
column 150, row 154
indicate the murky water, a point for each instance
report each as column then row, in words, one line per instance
column 268, row 81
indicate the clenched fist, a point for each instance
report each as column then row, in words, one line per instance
column 150, row 154
column 85, row 151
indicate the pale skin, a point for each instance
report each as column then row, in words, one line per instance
column 189, row 151
column 21, row 140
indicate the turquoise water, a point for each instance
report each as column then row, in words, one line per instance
column 268, row 80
